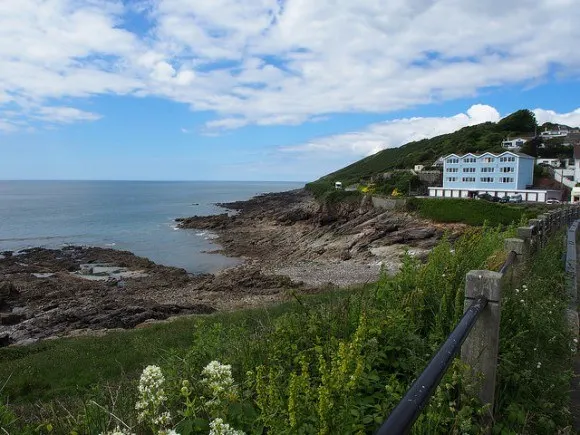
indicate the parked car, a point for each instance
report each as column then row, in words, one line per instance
column 504, row 199
column 488, row 197
column 515, row 198
column 553, row 201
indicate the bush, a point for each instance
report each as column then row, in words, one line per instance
column 471, row 212
column 340, row 362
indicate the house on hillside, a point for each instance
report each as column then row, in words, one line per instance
column 514, row 144
column 555, row 163
column 439, row 162
column 559, row 132
column 577, row 163
column 504, row 174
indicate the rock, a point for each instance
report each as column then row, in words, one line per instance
column 5, row 340
column 11, row 318
column 345, row 255
column 7, row 290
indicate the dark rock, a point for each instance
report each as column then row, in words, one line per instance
column 345, row 255
column 11, row 318
column 5, row 340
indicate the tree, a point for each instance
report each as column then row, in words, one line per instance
column 531, row 147
column 522, row 121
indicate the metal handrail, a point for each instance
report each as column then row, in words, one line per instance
column 407, row 411
column 508, row 262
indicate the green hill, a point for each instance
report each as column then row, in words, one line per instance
column 477, row 138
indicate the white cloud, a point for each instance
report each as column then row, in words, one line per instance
column 65, row 115
column 270, row 62
column 392, row 134
column 572, row 118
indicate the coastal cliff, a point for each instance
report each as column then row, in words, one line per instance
column 287, row 241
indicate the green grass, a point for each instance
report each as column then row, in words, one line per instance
column 332, row 363
column 472, row 212
column 69, row 367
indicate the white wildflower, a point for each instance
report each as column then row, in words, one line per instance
column 152, row 397
column 118, row 431
column 539, row 365
column 575, row 340
column 443, row 275
column 219, row 382
column 218, row 427
column 522, row 301
column 167, row 432
column 517, row 290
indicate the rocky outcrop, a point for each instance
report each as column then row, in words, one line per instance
column 280, row 230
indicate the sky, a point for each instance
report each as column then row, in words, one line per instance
column 266, row 89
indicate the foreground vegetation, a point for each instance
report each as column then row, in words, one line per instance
column 330, row 364
column 473, row 212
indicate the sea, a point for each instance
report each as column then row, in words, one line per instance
column 136, row 216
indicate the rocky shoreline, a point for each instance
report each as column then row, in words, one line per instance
column 289, row 243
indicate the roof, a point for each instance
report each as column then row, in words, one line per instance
column 521, row 155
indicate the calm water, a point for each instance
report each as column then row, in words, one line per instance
column 127, row 215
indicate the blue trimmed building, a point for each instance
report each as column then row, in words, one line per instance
column 507, row 173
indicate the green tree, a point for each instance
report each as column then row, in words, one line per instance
column 522, row 121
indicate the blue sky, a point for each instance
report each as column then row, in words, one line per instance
column 265, row 89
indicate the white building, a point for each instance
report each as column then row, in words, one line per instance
column 514, row 144
column 555, row 163
column 549, row 134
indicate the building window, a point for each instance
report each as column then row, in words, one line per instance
column 488, row 160
column 506, row 180
column 487, row 169
column 452, row 169
column 451, row 179
column 507, row 159
column 452, row 160
column 469, row 160
column 486, row 179
column 507, row 169
column 468, row 169
column 468, row 179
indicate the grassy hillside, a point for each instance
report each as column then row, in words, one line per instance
column 477, row 138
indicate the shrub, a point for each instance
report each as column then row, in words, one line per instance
column 471, row 212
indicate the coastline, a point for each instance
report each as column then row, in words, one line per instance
column 286, row 241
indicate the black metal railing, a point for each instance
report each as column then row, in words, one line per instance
column 410, row 407
column 402, row 418
column 508, row 262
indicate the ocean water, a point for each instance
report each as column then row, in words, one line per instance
column 137, row 216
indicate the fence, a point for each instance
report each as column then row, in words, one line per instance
column 477, row 333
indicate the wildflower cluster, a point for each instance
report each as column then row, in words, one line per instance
column 118, row 431
column 219, row 383
column 218, row 427
column 152, row 398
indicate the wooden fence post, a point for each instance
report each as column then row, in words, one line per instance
column 518, row 246
column 481, row 347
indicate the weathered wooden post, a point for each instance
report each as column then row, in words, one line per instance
column 535, row 224
column 481, row 347
column 543, row 227
column 525, row 234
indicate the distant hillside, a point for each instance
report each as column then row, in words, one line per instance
column 477, row 138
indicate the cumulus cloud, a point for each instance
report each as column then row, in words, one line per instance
column 572, row 118
column 394, row 133
column 267, row 62
column 65, row 115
